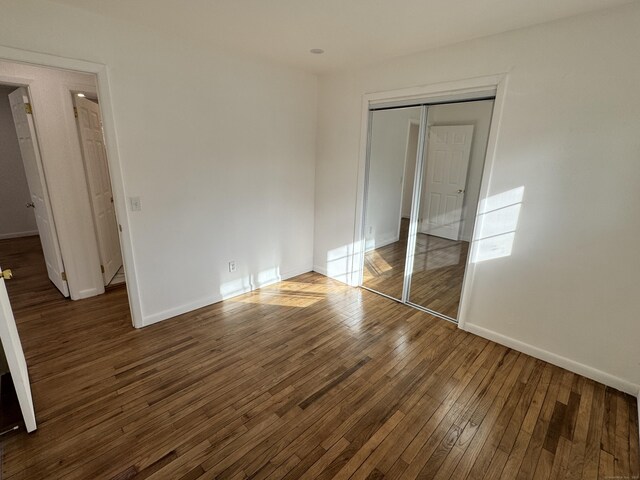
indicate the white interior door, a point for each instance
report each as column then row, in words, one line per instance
column 97, row 171
column 23, row 120
column 448, row 151
column 15, row 358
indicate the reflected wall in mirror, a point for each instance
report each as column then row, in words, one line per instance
column 393, row 145
column 455, row 153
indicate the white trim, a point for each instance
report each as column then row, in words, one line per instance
column 211, row 299
column 412, row 235
column 487, row 172
column 29, row 233
column 449, row 90
column 564, row 362
column 115, row 164
column 355, row 261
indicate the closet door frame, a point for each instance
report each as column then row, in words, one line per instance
column 473, row 89
column 415, row 203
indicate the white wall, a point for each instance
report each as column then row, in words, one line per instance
column 569, row 142
column 389, row 140
column 15, row 219
column 219, row 147
column 410, row 169
column 477, row 114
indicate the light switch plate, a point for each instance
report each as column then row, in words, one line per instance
column 134, row 204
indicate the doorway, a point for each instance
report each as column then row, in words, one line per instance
column 59, row 235
column 83, row 261
column 429, row 158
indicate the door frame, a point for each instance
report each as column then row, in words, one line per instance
column 411, row 124
column 448, row 91
column 101, row 71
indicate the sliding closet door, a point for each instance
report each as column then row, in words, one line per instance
column 393, row 145
column 457, row 136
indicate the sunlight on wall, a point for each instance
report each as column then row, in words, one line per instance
column 235, row 287
column 498, row 221
column 242, row 285
column 267, row 277
column 339, row 263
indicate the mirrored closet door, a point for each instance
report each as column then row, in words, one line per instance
column 424, row 170
column 393, row 144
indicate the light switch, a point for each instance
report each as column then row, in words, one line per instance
column 134, row 204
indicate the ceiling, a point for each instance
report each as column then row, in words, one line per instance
column 352, row 32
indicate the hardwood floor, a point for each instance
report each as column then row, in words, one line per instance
column 307, row 378
column 438, row 271
column 31, row 290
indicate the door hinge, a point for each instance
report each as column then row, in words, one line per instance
column 64, row 276
column 75, row 112
column 28, row 109
column 120, row 227
column 102, row 268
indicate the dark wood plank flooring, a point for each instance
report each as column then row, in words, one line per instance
column 307, row 378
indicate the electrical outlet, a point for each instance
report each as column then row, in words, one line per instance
column 134, row 204
column 232, row 266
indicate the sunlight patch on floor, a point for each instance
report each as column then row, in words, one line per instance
column 294, row 299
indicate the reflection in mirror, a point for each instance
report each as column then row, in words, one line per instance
column 391, row 171
column 452, row 173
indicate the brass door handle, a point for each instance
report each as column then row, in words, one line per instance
column 6, row 274
column 30, row 205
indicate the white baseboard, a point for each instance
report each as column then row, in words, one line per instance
column 211, row 299
column 560, row 361
column 29, row 233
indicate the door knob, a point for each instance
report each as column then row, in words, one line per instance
column 30, row 205
column 6, row 274
column 460, row 191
